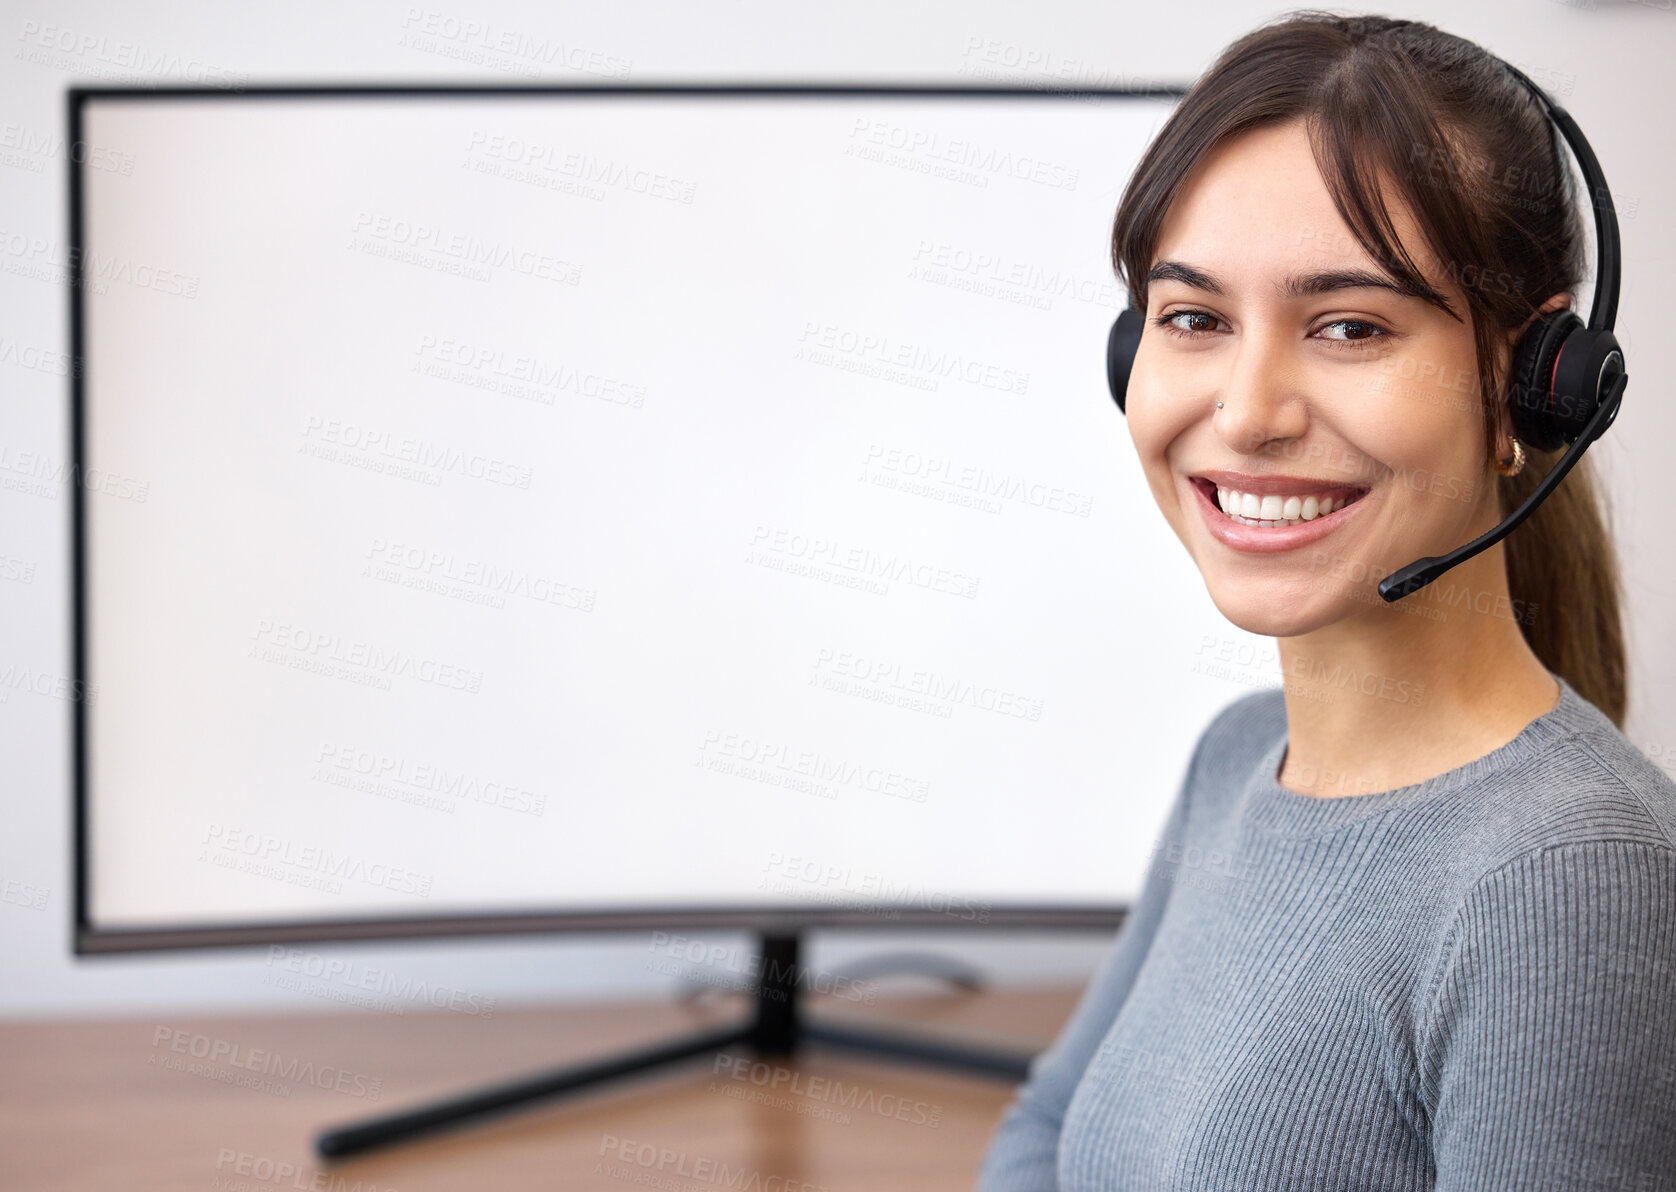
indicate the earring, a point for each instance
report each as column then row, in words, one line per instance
column 1219, row 405
column 1513, row 466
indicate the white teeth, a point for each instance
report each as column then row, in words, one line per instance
column 1273, row 509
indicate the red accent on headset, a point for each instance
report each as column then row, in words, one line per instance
column 1552, row 375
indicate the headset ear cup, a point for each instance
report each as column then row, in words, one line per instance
column 1531, row 390
column 1122, row 342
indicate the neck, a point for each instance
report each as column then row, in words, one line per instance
column 1403, row 692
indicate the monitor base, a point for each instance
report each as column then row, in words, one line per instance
column 776, row 1028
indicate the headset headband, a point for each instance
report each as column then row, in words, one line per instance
column 1603, row 310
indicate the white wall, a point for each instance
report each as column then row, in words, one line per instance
column 1608, row 63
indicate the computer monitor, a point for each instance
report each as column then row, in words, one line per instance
column 524, row 509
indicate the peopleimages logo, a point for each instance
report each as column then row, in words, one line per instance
column 1368, row 683
column 410, row 449
column 279, row 857
column 497, row 579
column 984, row 159
column 462, row 247
column 776, row 1079
column 875, row 346
column 282, row 642
column 482, row 42
column 872, row 886
column 240, row 1171
column 258, row 1060
column 659, row 1164
column 66, row 47
column 456, row 786
column 355, row 975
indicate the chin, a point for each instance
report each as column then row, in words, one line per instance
column 1281, row 608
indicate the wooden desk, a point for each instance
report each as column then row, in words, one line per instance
column 198, row 1104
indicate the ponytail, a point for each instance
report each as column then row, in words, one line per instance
column 1562, row 570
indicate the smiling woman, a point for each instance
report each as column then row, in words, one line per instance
column 1391, row 225
column 1295, row 337
column 1429, row 939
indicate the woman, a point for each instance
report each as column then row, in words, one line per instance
column 1411, row 922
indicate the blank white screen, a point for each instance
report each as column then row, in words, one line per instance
column 541, row 503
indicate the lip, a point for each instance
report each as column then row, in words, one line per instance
column 1271, row 484
column 1256, row 540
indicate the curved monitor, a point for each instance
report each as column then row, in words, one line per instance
column 517, row 509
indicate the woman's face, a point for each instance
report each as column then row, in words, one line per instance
column 1328, row 391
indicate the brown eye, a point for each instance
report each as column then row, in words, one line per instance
column 1168, row 322
column 1358, row 330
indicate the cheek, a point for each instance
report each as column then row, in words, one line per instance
column 1154, row 436
column 1163, row 427
column 1429, row 435
column 1158, row 410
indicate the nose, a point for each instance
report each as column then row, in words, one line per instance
column 1261, row 399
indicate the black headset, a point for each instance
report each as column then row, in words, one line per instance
column 1566, row 381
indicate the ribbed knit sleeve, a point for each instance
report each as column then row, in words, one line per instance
column 1024, row 1150
column 1547, row 1054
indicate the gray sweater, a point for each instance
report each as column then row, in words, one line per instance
column 1467, row 983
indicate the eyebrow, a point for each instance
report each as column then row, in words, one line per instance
column 1299, row 285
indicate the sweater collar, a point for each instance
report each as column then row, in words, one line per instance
column 1285, row 812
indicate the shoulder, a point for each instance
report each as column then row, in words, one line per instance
column 1570, row 779
column 1240, row 732
column 1228, row 750
column 1571, row 852
column 1587, row 785
column 1617, row 767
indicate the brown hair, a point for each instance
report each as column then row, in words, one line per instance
column 1478, row 163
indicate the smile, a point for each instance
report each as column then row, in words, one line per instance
column 1274, row 521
